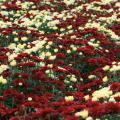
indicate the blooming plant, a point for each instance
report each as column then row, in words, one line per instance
column 59, row 60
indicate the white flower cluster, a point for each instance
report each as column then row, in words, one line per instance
column 70, row 78
column 3, row 67
column 112, row 98
column 69, row 2
column 5, row 24
column 115, row 68
column 91, row 76
column 84, row 114
column 93, row 43
column 38, row 45
column 69, row 98
column 106, row 68
column 102, row 28
column 3, row 80
column 102, row 93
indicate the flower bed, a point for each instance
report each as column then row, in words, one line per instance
column 59, row 60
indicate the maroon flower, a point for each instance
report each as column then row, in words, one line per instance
column 60, row 55
column 115, row 87
column 14, row 118
column 20, row 82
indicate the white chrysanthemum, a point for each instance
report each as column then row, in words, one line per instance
column 2, row 80
column 89, row 118
column 12, row 46
column 24, row 38
column 30, row 99
column 107, row 1
column 106, row 68
column 52, row 57
column 86, row 97
column 69, row 2
column 2, row 68
column 91, row 76
column 13, row 63
column 102, row 93
column 83, row 114
column 117, row 4
column 69, row 98
column 105, row 79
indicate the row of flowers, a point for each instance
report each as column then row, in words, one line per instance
column 59, row 60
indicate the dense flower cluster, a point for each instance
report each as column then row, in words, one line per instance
column 59, row 59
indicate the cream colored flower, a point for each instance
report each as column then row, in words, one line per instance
column 55, row 50
column 106, row 68
column 47, row 46
column 29, row 98
column 89, row 118
column 24, row 38
column 52, row 57
column 69, row 2
column 20, row 84
column 105, row 79
column 91, row 76
column 13, row 63
column 50, row 43
column 12, row 46
column 48, row 54
column 102, row 93
column 2, row 68
column 117, row 4
column 2, row 80
column 69, row 98
column 68, row 51
column 73, row 79
column 95, row 99
column 50, row 65
column 16, row 39
column 20, row 46
column 83, row 114
column 86, row 97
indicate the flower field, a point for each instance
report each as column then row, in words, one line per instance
column 59, row 60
